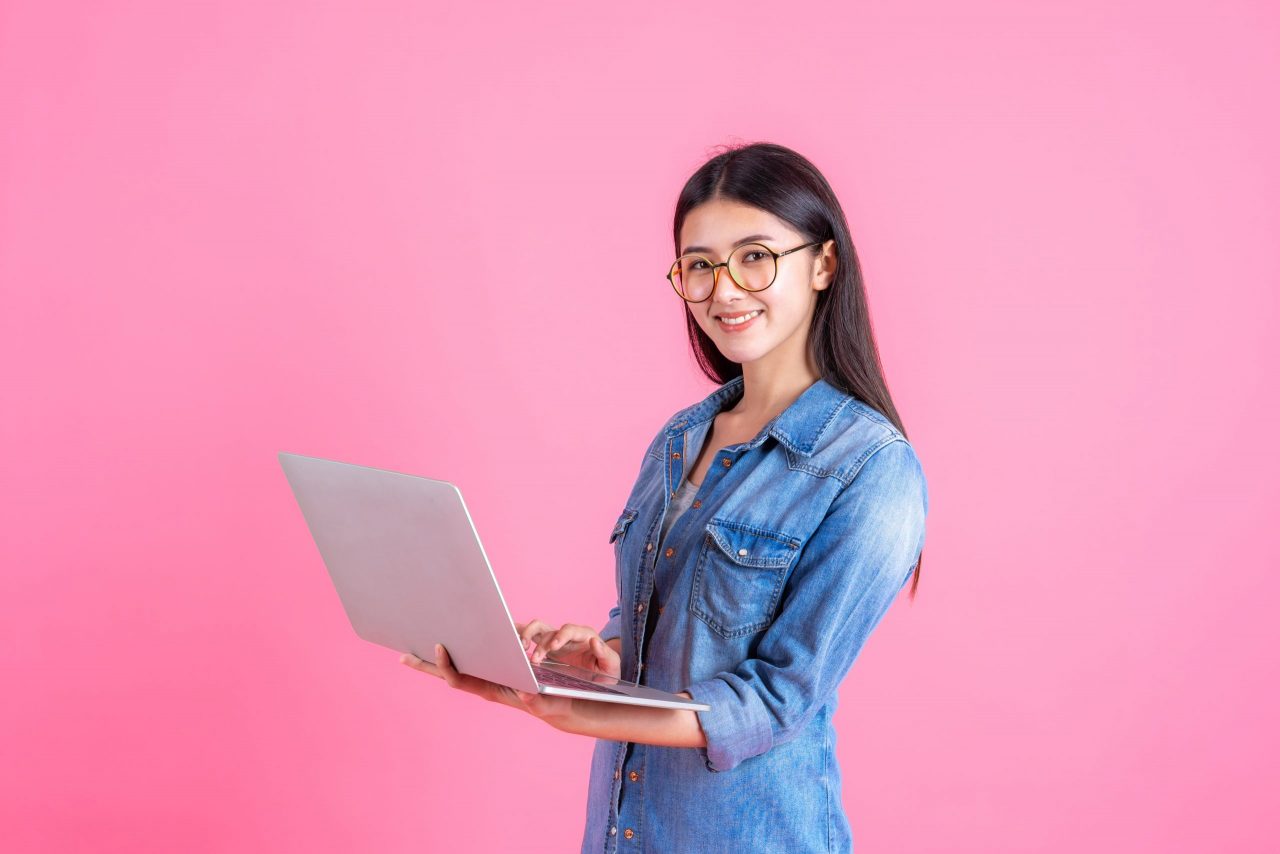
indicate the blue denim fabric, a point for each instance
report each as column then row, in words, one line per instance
column 797, row 544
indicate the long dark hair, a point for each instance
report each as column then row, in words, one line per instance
column 776, row 179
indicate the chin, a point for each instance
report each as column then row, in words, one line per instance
column 741, row 355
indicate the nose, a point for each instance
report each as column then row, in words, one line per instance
column 730, row 290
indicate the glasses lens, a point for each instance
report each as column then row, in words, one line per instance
column 752, row 266
column 691, row 275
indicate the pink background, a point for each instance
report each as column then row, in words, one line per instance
column 431, row 239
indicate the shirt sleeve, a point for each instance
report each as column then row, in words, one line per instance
column 847, row 576
column 612, row 628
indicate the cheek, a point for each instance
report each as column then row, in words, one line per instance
column 785, row 313
column 706, row 321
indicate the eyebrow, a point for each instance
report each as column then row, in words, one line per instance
column 750, row 239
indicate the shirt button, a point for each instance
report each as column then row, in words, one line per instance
column 742, row 552
column 617, row 774
column 640, row 607
column 613, row 831
column 669, row 552
column 628, row 833
column 726, row 461
column 648, row 547
column 633, row 776
column 660, row 607
column 697, row 504
column 675, row 455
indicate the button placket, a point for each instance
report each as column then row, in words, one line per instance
column 675, row 462
column 647, row 562
column 629, row 817
column 640, row 627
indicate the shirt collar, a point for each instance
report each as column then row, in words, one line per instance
column 799, row 426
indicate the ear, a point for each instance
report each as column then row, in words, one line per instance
column 825, row 266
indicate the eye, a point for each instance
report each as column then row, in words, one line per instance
column 696, row 262
column 755, row 255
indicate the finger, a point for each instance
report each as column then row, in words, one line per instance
column 568, row 635
column 545, row 645
column 532, row 629
column 607, row 660
column 411, row 660
column 445, row 664
column 461, row 681
column 483, row 688
column 456, row 678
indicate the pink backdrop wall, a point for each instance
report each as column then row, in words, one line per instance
column 431, row 238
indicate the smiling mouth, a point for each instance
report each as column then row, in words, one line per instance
column 736, row 319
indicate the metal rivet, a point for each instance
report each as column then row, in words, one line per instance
column 628, row 833
column 670, row 552
column 675, row 455
column 726, row 462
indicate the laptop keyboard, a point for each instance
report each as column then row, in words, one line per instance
column 548, row 676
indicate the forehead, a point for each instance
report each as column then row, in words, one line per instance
column 719, row 223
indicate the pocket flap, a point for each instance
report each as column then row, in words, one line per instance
column 747, row 545
column 621, row 525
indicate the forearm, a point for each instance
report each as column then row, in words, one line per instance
column 642, row 724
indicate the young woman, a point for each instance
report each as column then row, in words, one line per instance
column 772, row 525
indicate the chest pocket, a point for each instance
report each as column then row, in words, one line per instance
column 739, row 576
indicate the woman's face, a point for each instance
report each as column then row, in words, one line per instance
column 783, row 310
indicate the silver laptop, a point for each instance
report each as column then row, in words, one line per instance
column 409, row 568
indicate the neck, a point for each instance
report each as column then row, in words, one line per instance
column 769, row 387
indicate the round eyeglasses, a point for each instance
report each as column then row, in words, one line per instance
column 752, row 266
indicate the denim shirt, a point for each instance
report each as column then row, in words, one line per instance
column 768, row 586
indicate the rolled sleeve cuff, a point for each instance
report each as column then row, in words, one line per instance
column 613, row 628
column 737, row 725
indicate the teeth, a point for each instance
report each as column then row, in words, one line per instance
column 734, row 321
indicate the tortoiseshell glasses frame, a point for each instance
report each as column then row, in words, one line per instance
column 673, row 274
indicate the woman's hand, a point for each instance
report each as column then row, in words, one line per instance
column 556, row 711
column 579, row 646
column 443, row 667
